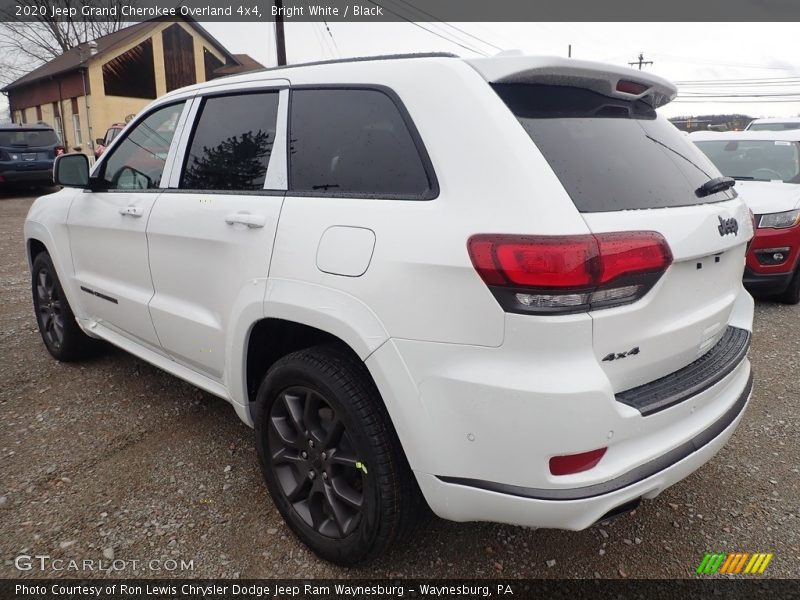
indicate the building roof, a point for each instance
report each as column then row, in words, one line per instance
column 76, row 57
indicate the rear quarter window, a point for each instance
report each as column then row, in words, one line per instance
column 610, row 154
column 355, row 142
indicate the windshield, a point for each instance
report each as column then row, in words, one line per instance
column 773, row 126
column 24, row 138
column 755, row 159
column 610, row 154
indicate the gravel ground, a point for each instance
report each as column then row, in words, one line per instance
column 114, row 458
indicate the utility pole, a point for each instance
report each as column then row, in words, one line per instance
column 641, row 61
column 280, row 40
column 569, row 51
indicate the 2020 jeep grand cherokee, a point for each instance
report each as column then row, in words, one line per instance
column 498, row 286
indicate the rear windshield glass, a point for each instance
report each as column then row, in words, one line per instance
column 610, row 154
column 773, row 126
column 28, row 138
column 755, row 159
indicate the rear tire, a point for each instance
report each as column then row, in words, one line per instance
column 62, row 336
column 792, row 293
column 331, row 458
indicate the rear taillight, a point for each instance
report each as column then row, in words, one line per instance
column 567, row 274
column 59, row 150
column 576, row 463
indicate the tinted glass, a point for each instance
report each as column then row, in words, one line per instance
column 353, row 142
column 232, row 143
column 610, row 154
column 28, row 138
column 755, row 159
column 111, row 134
column 773, row 126
column 137, row 163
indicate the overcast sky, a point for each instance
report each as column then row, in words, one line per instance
column 680, row 51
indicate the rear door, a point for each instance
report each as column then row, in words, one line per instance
column 211, row 235
column 627, row 169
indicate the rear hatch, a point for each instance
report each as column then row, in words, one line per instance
column 627, row 169
column 33, row 148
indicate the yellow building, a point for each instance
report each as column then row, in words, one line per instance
column 87, row 89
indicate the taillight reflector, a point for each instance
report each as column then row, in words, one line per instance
column 576, row 463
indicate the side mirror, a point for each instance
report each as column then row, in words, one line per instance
column 71, row 170
column 100, row 141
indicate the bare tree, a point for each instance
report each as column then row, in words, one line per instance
column 40, row 32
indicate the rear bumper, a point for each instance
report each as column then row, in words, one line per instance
column 641, row 473
column 766, row 283
column 574, row 510
column 29, row 176
column 479, row 424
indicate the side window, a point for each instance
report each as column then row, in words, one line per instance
column 353, row 142
column 138, row 162
column 232, row 143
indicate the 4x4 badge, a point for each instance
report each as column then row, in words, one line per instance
column 618, row 355
column 727, row 226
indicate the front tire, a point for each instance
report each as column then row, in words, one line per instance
column 331, row 458
column 62, row 336
column 792, row 293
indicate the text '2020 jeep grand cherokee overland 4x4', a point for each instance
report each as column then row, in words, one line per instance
column 499, row 285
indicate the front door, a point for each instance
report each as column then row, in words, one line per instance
column 211, row 238
column 107, row 228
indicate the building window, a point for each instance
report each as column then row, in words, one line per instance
column 131, row 74
column 76, row 127
column 178, row 57
column 59, row 129
column 38, row 113
column 211, row 64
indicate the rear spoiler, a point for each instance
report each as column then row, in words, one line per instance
column 609, row 80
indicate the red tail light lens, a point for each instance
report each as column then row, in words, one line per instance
column 59, row 150
column 631, row 87
column 576, row 463
column 547, row 274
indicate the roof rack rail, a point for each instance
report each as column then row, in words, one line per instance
column 360, row 59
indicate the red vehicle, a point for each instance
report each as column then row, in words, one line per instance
column 102, row 143
column 766, row 165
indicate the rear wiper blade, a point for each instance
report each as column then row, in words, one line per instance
column 712, row 186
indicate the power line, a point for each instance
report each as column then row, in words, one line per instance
column 467, row 33
column 330, row 33
column 428, row 30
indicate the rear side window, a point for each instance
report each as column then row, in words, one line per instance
column 232, row 143
column 28, row 138
column 354, row 142
column 610, row 154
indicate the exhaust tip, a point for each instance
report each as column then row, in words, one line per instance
column 620, row 511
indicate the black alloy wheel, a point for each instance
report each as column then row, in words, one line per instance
column 316, row 463
column 331, row 457
column 50, row 308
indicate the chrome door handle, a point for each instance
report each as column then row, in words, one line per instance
column 131, row 211
column 245, row 218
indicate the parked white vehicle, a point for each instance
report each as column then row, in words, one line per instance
column 766, row 165
column 774, row 124
column 500, row 286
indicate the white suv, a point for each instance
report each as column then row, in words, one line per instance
column 503, row 287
